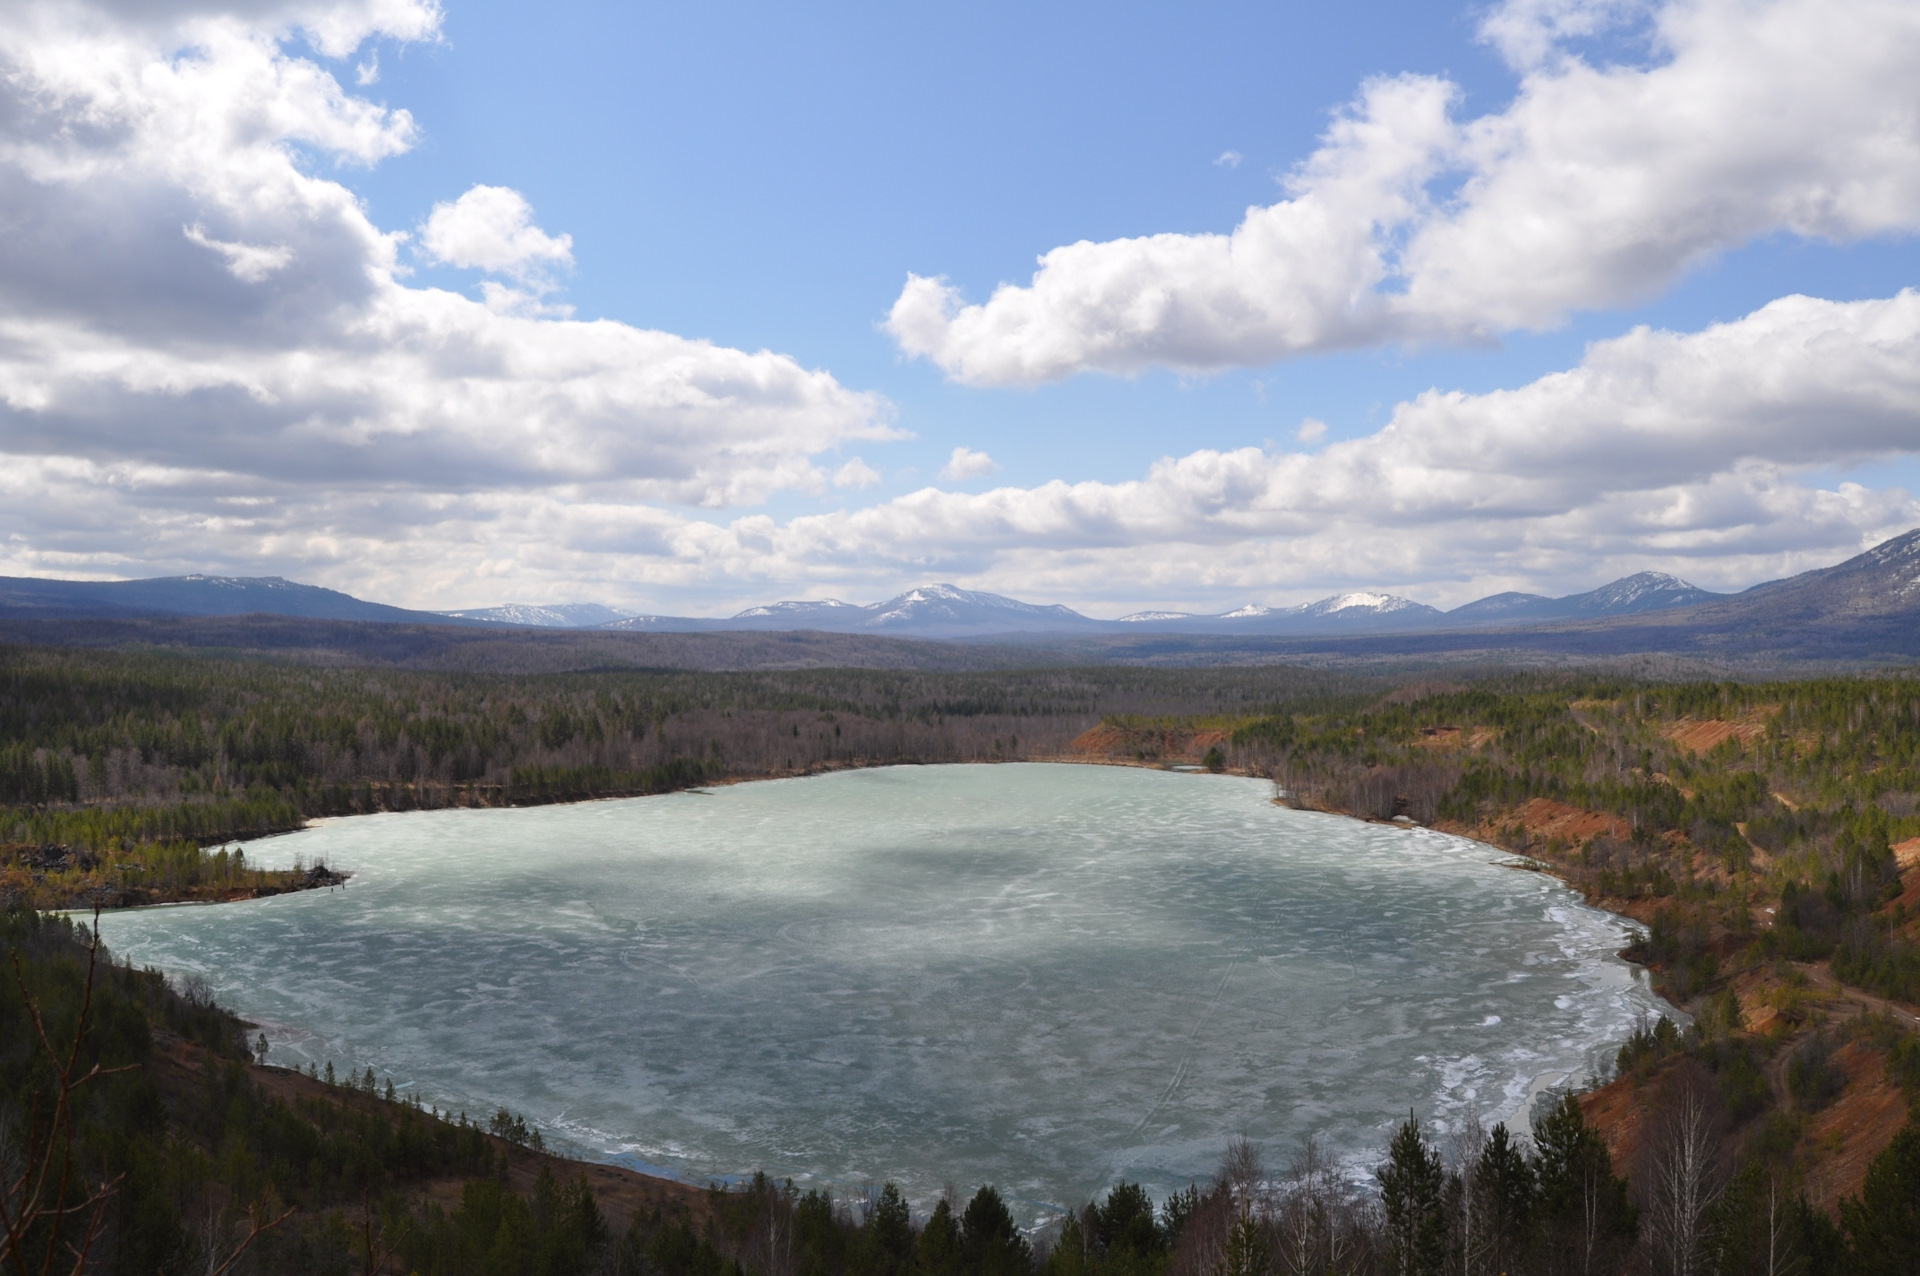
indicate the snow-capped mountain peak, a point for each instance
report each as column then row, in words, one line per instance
column 1641, row 584
column 1898, row 555
column 1372, row 602
column 552, row 616
column 1642, row 591
column 951, row 605
column 792, row 607
column 1359, row 601
column 241, row 582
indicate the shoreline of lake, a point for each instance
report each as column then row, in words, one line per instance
column 533, row 845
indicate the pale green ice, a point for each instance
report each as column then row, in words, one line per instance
column 1045, row 977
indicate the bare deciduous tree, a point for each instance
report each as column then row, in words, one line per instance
column 1319, row 1220
column 1687, row 1176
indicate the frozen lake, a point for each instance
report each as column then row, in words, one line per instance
column 1039, row 976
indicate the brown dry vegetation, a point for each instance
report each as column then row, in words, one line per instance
column 1702, row 736
column 1856, row 1128
column 1710, row 902
column 1546, row 819
column 1153, row 745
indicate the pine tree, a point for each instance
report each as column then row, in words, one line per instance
column 1124, row 1224
column 1504, row 1184
column 1246, row 1252
column 1068, row 1255
column 940, row 1243
column 1582, row 1204
column 1883, row 1222
column 890, row 1232
column 1411, row 1183
column 990, row 1243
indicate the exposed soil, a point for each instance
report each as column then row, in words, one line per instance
column 1453, row 738
column 1907, row 904
column 1759, row 1009
column 1158, row 745
column 1844, row 1002
column 1856, row 1128
column 1698, row 736
column 1618, row 1112
column 1544, row 818
column 1843, row 1137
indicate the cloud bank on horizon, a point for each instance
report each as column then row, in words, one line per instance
column 211, row 357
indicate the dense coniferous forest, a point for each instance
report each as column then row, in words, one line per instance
column 1767, row 836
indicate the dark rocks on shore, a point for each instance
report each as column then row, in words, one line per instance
column 51, row 857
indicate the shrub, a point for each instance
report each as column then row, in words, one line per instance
column 1812, row 1078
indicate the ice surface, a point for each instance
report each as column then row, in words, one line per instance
column 1045, row 977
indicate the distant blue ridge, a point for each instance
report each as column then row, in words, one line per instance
column 1883, row 581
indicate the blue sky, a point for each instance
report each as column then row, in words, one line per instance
column 766, row 178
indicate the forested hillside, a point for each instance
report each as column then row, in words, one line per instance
column 115, row 768
column 1766, row 813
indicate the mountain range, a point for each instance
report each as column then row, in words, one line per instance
column 1879, row 589
column 946, row 611
column 931, row 611
column 26, row 598
column 557, row 616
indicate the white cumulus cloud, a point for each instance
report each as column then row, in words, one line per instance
column 250, row 263
column 1697, row 453
column 1596, row 186
column 1688, row 451
column 491, row 228
column 965, row 463
column 207, row 341
column 856, row 473
column 1530, row 32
